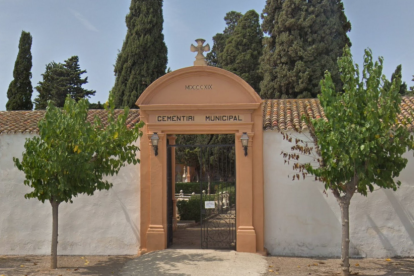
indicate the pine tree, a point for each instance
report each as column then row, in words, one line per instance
column 305, row 39
column 219, row 40
column 244, row 49
column 143, row 57
column 75, row 81
column 20, row 88
column 59, row 80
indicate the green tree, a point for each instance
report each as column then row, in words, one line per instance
column 244, row 49
column 412, row 87
column 143, row 57
column 397, row 74
column 75, row 81
column 212, row 160
column 71, row 156
column 60, row 80
column 96, row 105
column 305, row 39
column 20, row 88
column 361, row 143
column 219, row 40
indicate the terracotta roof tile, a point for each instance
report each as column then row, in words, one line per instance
column 283, row 114
column 27, row 121
column 286, row 114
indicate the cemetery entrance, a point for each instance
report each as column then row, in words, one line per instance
column 205, row 195
column 178, row 103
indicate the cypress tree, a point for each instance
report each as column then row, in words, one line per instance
column 219, row 40
column 143, row 57
column 20, row 88
column 412, row 87
column 243, row 50
column 59, row 80
column 397, row 74
column 305, row 39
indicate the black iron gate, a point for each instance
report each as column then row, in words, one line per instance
column 215, row 174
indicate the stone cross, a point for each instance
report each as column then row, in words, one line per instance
column 200, row 49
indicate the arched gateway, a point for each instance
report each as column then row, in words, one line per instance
column 201, row 100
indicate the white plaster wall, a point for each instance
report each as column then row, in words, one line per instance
column 106, row 223
column 300, row 220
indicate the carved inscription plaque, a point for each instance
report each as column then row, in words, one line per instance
column 197, row 118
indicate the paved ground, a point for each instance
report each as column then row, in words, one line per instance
column 186, row 262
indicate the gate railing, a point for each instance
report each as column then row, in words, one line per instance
column 216, row 166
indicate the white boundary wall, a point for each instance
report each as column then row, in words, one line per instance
column 106, row 223
column 300, row 220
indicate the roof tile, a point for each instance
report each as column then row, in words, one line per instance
column 27, row 121
column 286, row 114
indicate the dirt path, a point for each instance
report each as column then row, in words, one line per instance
column 111, row 265
column 327, row 267
column 68, row 265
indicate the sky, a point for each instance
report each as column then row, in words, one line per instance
column 95, row 30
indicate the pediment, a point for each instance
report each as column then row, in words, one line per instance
column 199, row 85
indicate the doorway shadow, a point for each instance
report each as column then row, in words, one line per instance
column 187, row 237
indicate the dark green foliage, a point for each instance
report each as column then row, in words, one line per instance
column 96, row 105
column 60, row 80
column 194, row 187
column 20, row 88
column 191, row 209
column 187, row 187
column 361, row 144
column 219, row 40
column 75, row 81
column 243, row 50
column 71, row 156
column 305, row 39
column 412, row 87
column 211, row 159
column 232, row 18
column 397, row 75
column 143, row 57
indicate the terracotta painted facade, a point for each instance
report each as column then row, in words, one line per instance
column 201, row 100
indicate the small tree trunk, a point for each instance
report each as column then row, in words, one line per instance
column 344, row 204
column 208, row 187
column 55, row 210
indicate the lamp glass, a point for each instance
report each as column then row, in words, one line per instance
column 244, row 139
column 154, row 139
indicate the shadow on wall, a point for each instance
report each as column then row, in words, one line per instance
column 134, row 227
column 383, row 239
column 403, row 214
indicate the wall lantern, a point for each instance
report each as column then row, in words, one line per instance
column 245, row 142
column 154, row 142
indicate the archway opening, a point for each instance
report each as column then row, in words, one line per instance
column 201, row 195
